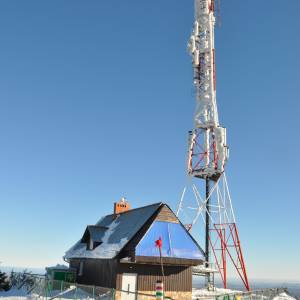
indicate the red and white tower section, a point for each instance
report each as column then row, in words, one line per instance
column 208, row 151
column 207, row 156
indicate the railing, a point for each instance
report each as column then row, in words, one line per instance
column 206, row 267
column 42, row 288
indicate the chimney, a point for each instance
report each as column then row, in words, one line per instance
column 121, row 206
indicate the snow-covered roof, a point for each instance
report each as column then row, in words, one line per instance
column 119, row 231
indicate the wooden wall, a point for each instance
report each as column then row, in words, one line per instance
column 176, row 278
column 100, row 272
column 166, row 215
column 108, row 273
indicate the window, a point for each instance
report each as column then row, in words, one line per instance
column 80, row 272
column 91, row 245
column 96, row 244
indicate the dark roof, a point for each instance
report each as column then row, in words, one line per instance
column 119, row 231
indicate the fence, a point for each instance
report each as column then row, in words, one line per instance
column 42, row 288
column 52, row 289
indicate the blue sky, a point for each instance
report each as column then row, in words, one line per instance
column 96, row 99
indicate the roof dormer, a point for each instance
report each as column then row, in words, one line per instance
column 92, row 236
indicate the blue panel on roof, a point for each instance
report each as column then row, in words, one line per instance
column 176, row 242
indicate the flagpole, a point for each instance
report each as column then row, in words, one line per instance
column 161, row 264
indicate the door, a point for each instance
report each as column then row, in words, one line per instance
column 129, row 286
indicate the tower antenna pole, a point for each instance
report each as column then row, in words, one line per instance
column 208, row 153
column 207, row 229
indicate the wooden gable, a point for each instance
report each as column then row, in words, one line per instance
column 165, row 214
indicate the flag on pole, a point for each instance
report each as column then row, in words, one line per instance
column 159, row 244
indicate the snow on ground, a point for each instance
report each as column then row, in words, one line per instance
column 283, row 296
column 203, row 294
column 15, row 294
column 71, row 293
column 210, row 295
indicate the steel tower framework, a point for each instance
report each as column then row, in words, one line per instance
column 208, row 154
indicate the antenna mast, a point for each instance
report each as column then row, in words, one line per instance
column 208, row 153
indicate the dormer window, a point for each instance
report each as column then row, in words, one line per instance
column 93, row 236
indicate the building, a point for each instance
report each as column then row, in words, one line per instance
column 61, row 273
column 120, row 252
